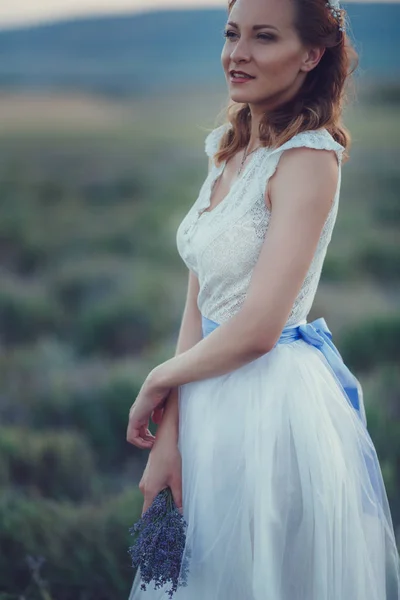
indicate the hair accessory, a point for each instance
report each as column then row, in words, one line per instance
column 334, row 7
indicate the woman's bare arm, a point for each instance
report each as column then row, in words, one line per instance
column 190, row 334
column 164, row 465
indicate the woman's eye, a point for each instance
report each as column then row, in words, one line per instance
column 228, row 34
column 263, row 36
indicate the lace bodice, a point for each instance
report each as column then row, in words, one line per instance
column 222, row 246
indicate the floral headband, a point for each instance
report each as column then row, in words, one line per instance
column 334, row 7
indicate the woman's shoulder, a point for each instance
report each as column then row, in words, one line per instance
column 318, row 139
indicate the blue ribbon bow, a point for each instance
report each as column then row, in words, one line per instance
column 317, row 334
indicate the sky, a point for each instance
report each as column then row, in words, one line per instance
column 20, row 12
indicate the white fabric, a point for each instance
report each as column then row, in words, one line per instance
column 222, row 246
column 278, row 491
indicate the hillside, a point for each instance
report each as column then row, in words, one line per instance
column 143, row 52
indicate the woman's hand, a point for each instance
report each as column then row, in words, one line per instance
column 150, row 400
column 163, row 469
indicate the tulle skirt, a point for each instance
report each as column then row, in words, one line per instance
column 282, row 489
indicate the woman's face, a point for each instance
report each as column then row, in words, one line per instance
column 272, row 53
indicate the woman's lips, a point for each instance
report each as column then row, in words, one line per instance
column 243, row 79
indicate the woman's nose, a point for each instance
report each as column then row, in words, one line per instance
column 240, row 51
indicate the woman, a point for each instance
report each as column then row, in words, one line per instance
column 282, row 490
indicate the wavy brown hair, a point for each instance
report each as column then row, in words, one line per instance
column 319, row 102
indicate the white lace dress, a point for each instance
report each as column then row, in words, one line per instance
column 282, row 490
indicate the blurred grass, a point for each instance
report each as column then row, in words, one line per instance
column 92, row 289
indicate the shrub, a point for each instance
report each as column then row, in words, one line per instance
column 57, row 465
column 19, row 254
column 81, row 283
column 336, row 269
column 370, row 343
column 95, row 403
column 114, row 327
column 25, row 370
column 141, row 309
column 46, row 387
column 123, row 189
column 387, row 208
column 380, row 260
column 26, row 312
column 85, row 548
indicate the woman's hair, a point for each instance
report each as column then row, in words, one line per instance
column 319, row 102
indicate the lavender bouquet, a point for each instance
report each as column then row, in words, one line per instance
column 160, row 537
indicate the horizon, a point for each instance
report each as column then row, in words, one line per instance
column 32, row 12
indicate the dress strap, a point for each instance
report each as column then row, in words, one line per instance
column 213, row 139
column 319, row 139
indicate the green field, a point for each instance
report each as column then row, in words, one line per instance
column 92, row 191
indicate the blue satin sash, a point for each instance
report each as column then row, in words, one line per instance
column 318, row 335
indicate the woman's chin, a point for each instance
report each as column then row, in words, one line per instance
column 239, row 95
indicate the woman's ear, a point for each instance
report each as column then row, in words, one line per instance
column 312, row 58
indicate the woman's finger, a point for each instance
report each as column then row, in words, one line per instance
column 176, row 489
column 139, row 438
column 148, row 499
column 141, row 443
column 146, row 434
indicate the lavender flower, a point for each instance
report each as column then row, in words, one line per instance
column 160, row 537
